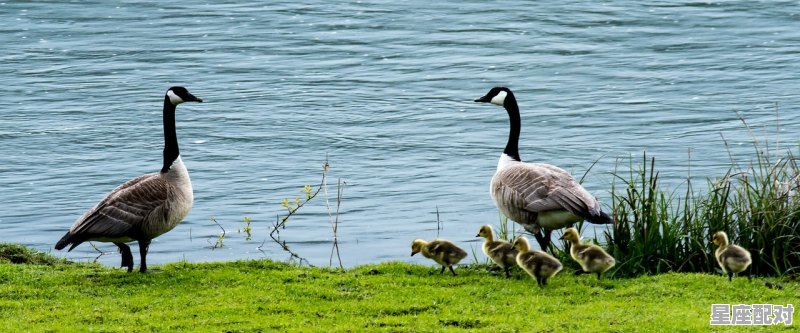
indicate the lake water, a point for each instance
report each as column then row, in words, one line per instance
column 384, row 89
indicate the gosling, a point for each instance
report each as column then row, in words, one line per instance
column 442, row 251
column 592, row 258
column 539, row 265
column 501, row 252
column 731, row 258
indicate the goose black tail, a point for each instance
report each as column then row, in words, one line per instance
column 603, row 218
column 64, row 241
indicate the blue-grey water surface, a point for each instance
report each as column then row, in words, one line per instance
column 384, row 89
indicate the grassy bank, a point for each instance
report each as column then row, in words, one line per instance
column 253, row 296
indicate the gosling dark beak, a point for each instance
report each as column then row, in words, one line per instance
column 484, row 99
column 562, row 237
column 478, row 235
column 413, row 253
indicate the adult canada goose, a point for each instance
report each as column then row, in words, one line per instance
column 501, row 252
column 442, row 251
column 592, row 258
column 731, row 258
column 144, row 207
column 541, row 197
column 538, row 264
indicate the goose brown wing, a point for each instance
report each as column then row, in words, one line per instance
column 126, row 206
column 543, row 187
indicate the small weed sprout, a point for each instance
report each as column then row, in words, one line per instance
column 280, row 222
column 247, row 228
column 439, row 225
column 101, row 252
column 504, row 232
column 475, row 258
column 220, row 240
column 309, row 193
column 333, row 219
column 293, row 206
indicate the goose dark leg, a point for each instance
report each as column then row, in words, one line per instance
column 579, row 272
column 451, row 270
column 127, row 257
column 143, row 246
column 508, row 274
column 543, row 238
column 442, row 271
column 598, row 275
column 539, row 281
column 730, row 276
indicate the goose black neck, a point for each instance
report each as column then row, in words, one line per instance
column 171, row 151
column 512, row 146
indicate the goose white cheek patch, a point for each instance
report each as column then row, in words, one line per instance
column 499, row 98
column 175, row 99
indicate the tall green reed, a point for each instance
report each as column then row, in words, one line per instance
column 659, row 230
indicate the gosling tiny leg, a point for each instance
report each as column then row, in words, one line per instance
column 451, row 270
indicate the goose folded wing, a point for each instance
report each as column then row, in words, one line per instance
column 574, row 198
column 542, row 187
column 126, row 206
column 524, row 186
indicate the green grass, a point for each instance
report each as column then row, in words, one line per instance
column 18, row 254
column 265, row 296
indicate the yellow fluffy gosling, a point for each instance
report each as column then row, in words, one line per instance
column 731, row 258
column 501, row 252
column 539, row 265
column 592, row 258
column 442, row 251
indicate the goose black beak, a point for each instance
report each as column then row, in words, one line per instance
column 193, row 98
column 413, row 253
column 484, row 99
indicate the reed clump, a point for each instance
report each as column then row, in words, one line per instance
column 661, row 230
